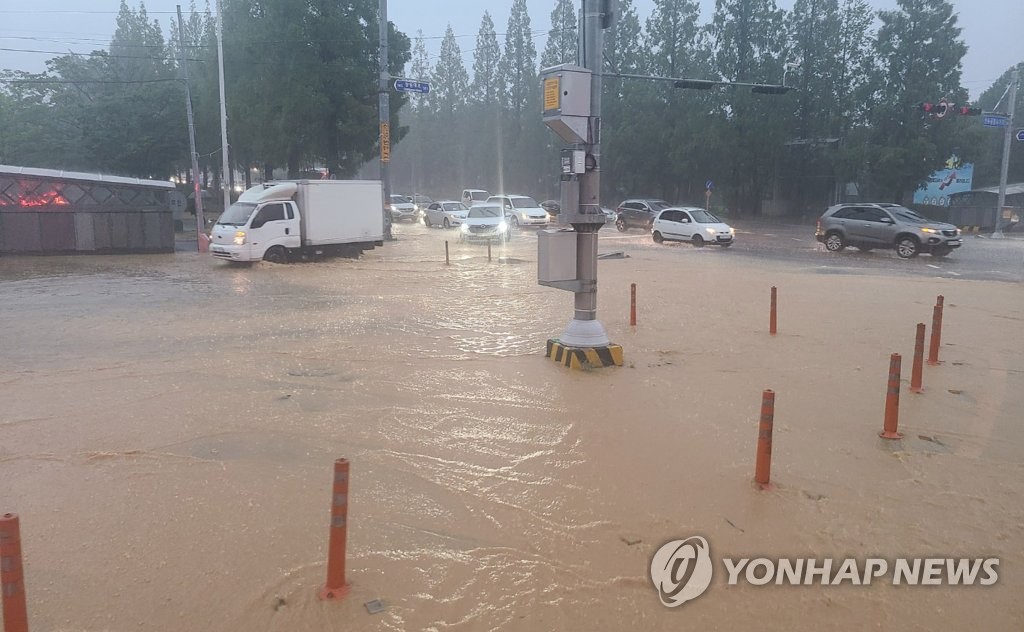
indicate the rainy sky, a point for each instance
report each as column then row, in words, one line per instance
column 31, row 33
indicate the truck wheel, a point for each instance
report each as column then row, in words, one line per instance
column 276, row 254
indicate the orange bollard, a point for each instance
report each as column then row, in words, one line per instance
column 772, row 322
column 12, row 579
column 933, row 349
column 632, row 304
column 447, row 261
column 763, row 466
column 915, row 375
column 336, row 587
column 488, row 249
column 892, row 400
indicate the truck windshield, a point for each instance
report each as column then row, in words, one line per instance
column 237, row 214
column 478, row 196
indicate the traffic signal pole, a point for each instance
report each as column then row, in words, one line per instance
column 997, row 233
column 385, row 119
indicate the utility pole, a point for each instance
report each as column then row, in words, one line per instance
column 997, row 233
column 196, row 189
column 225, row 178
column 385, row 119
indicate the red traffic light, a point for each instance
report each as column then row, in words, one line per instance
column 927, row 107
column 969, row 111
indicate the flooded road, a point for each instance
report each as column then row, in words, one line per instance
column 170, row 422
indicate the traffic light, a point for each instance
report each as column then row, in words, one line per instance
column 966, row 110
column 927, row 108
column 695, row 84
column 770, row 89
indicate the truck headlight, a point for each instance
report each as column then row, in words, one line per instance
column 239, row 238
column 502, row 227
column 465, row 228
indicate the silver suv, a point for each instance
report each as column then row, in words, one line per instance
column 880, row 225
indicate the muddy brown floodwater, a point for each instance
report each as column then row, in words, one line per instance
column 169, row 425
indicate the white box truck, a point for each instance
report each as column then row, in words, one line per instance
column 301, row 219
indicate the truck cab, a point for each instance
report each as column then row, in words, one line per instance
column 263, row 224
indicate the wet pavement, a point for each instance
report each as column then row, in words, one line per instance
column 170, row 423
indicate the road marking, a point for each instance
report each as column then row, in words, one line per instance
column 795, row 239
column 934, row 266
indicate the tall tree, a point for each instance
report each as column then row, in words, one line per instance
column 522, row 130
column 451, row 87
column 563, row 38
column 751, row 46
column 919, row 50
column 487, row 95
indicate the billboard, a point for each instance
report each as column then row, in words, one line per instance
column 956, row 177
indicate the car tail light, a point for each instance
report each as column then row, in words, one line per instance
column 817, row 225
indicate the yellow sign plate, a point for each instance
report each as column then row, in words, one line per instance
column 551, row 90
column 385, row 142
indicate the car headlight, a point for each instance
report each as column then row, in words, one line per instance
column 239, row 238
column 465, row 228
column 502, row 227
column 710, row 231
column 929, row 230
column 732, row 231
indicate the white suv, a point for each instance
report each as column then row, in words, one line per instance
column 474, row 196
column 521, row 210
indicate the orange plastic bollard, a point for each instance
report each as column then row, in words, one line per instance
column 892, row 400
column 772, row 321
column 933, row 348
column 632, row 304
column 763, row 466
column 336, row 587
column 488, row 249
column 447, row 261
column 12, row 578
column 915, row 375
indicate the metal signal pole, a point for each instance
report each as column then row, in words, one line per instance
column 385, row 119
column 997, row 233
column 225, row 178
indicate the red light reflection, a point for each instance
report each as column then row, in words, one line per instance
column 48, row 198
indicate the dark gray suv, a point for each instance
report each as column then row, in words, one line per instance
column 880, row 225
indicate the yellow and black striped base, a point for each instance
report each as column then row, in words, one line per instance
column 584, row 357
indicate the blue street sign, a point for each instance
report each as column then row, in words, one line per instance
column 709, row 185
column 408, row 85
column 995, row 120
column 1020, row 135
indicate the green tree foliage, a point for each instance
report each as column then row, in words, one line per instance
column 751, row 46
column 451, row 89
column 989, row 159
column 522, row 131
column 303, row 75
column 563, row 39
column 919, row 51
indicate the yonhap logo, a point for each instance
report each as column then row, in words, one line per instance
column 681, row 570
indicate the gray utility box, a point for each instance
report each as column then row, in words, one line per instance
column 566, row 92
column 556, row 257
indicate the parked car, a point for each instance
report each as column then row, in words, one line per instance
column 421, row 202
column 485, row 222
column 521, row 210
column 474, row 196
column 695, row 225
column 402, row 208
column 638, row 213
column 885, row 226
column 446, row 214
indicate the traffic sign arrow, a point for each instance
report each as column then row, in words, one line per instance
column 1020, row 135
column 408, row 85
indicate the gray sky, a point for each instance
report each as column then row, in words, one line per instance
column 32, row 32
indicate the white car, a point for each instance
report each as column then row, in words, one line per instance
column 403, row 208
column 485, row 222
column 474, row 196
column 521, row 210
column 691, row 224
column 446, row 213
